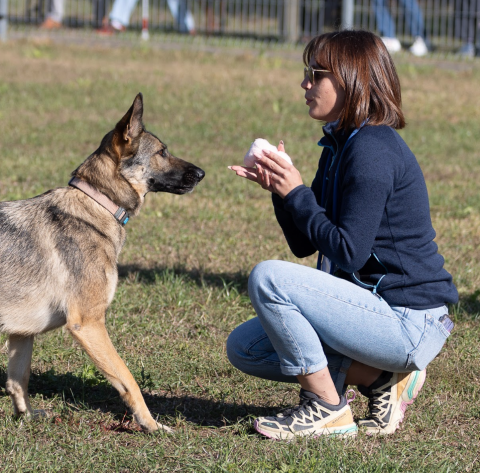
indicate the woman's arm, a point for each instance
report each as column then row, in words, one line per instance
column 298, row 242
column 364, row 188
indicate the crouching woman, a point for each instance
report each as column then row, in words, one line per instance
column 374, row 312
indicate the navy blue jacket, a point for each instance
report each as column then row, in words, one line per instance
column 379, row 222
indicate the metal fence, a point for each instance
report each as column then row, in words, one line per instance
column 447, row 24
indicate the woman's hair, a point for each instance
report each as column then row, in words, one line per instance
column 365, row 70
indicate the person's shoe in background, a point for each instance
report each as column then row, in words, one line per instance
column 419, row 47
column 50, row 24
column 467, row 50
column 110, row 28
column 392, row 44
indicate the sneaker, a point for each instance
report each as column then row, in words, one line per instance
column 419, row 47
column 110, row 28
column 389, row 396
column 313, row 417
column 392, row 44
column 50, row 24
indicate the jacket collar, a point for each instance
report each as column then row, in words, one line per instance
column 333, row 138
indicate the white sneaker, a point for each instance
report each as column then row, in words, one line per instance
column 419, row 47
column 392, row 44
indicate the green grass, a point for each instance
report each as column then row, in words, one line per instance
column 185, row 265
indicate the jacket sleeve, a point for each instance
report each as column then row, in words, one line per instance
column 298, row 242
column 366, row 180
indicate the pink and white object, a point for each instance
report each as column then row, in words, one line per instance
column 257, row 146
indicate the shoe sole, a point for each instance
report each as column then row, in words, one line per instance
column 409, row 395
column 345, row 432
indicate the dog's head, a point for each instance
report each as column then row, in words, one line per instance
column 145, row 162
column 131, row 162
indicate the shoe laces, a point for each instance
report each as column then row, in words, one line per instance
column 375, row 401
column 308, row 402
column 300, row 410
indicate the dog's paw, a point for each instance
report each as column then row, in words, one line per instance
column 155, row 426
column 164, row 428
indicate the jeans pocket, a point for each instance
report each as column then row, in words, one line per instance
column 429, row 346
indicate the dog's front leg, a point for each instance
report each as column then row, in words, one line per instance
column 93, row 336
column 19, row 362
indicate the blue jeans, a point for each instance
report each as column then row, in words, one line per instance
column 413, row 18
column 308, row 319
column 122, row 11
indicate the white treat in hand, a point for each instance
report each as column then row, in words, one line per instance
column 257, row 146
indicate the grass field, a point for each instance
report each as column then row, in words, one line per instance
column 185, row 265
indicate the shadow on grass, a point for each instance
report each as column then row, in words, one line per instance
column 239, row 280
column 77, row 393
column 468, row 306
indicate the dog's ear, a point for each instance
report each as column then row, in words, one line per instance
column 131, row 125
column 128, row 129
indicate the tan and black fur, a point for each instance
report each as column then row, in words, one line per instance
column 59, row 251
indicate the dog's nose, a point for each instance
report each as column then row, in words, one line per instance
column 193, row 175
column 200, row 173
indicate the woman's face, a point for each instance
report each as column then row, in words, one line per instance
column 325, row 98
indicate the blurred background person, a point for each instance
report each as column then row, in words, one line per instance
column 466, row 24
column 119, row 17
column 413, row 21
column 54, row 18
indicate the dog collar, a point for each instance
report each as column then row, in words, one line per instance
column 118, row 212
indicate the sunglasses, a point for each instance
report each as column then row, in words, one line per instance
column 309, row 72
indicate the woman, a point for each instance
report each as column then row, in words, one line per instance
column 375, row 314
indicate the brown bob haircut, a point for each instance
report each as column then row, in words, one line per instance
column 365, row 70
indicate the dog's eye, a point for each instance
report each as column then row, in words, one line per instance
column 164, row 153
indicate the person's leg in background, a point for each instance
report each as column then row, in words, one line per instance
column 415, row 24
column 386, row 26
column 99, row 12
column 466, row 25
column 54, row 18
column 121, row 13
column 119, row 17
column 182, row 16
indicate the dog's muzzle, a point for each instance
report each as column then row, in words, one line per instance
column 193, row 176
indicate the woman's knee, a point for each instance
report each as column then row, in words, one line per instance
column 237, row 344
column 234, row 347
column 244, row 338
column 262, row 279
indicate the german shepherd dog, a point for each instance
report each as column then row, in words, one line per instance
column 59, row 251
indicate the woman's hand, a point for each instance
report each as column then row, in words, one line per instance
column 272, row 172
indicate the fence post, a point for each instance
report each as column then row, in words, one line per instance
column 3, row 20
column 145, row 18
column 347, row 14
column 291, row 20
